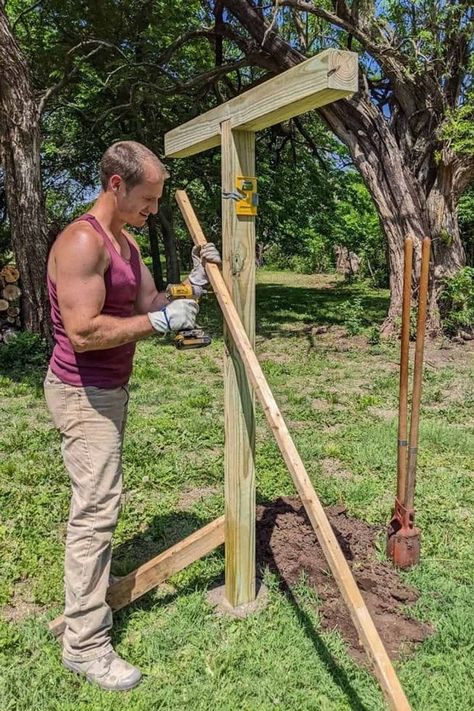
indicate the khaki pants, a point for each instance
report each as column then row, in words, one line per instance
column 91, row 422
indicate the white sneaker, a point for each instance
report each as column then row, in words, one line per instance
column 109, row 672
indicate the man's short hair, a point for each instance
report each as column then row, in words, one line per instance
column 128, row 159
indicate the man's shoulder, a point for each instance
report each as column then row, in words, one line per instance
column 78, row 248
column 79, row 235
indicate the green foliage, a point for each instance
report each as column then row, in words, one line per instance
column 353, row 315
column 23, row 355
column 373, row 336
column 314, row 256
column 457, row 301
column 356, row 226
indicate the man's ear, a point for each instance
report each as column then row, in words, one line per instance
column 115, row 182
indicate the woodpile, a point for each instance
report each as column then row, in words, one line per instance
column 10, row 294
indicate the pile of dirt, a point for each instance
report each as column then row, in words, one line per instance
column 287, row 545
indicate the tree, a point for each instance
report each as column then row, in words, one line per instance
column 21, row 110
column 131, row 90
column 20, row 153
column 414, row 78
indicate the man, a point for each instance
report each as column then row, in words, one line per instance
column 103, row 299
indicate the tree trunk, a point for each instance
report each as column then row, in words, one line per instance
column 155, row 253
column 20, row 147
column 401, row 202
column 171, row 247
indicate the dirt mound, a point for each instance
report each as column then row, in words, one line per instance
column 287, row 544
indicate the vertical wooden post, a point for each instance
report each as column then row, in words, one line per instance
column 238, row 247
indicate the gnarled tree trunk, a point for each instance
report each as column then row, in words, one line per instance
column 401, row 202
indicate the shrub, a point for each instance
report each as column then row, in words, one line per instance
column 353, row 316
column 457, row 301
column 23, row 354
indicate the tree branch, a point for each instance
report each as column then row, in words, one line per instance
column 310, row 142
column 24, row 12
column 69, row 72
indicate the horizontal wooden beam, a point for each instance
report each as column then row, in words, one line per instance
column 157, row 570
column 319, row 80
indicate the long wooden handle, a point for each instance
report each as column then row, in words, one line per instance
column 403, row 389
column 358, row 610
column 417, row 373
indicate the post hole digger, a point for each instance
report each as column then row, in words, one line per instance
column 403, row 538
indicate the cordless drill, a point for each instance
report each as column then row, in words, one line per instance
column 188, row 338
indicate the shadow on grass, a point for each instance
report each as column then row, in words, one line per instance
column 165, row 531
column 278, row 305
column 32, row 376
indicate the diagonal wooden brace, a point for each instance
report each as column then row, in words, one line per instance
column 158, row 569
column 360, row 615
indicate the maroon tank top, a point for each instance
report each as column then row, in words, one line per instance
column 109, row 368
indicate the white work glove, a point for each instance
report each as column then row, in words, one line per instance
column 209, row 253
column 198, row 291
column 179, row 315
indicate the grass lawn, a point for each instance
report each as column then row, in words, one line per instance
column 339, row 397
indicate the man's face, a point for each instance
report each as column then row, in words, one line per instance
column 135, row 204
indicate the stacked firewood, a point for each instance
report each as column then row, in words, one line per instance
column 9, row 303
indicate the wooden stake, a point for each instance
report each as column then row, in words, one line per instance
column 238, row 250
column 340, row 569
column 157, row 570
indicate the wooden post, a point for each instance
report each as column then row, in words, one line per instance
column 360, row 615
column 238, row 251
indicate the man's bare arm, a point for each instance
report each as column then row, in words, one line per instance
column 80, row 265
column 149, row 298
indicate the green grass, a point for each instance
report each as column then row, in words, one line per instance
column 339, row 397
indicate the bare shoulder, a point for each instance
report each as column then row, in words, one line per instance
column 79, row 235
column 79, row 246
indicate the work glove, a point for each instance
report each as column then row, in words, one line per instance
column 198, row 291
column 178, row 315
column 208, row 253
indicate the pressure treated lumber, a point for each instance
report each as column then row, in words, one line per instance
column 158, row 569
column 365, row 627
column 238, row 244
column 319, row 80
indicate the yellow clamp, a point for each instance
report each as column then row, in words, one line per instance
column 244, row 194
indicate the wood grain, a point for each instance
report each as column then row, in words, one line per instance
column 320, row 80
column 238, row 244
